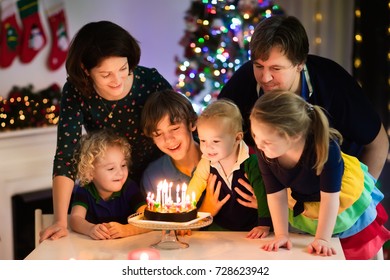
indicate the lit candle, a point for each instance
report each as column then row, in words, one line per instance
column 144, row 254
column 177, row 194
column 151, row 201
column 162, row 196
column 188, row 203
column 193, row 199
column 148, row 200
column 183, row 195
column 164, row 193
column 159, row 187
column 170, row 192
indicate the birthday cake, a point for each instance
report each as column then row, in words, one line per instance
column 178, row 217
column 162, row 207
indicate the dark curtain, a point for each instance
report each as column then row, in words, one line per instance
column 371, row 60
column 373, row 51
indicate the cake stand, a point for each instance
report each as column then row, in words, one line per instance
column 169, row 240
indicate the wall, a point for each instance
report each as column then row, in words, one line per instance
column 26, row 165
column 159, row 25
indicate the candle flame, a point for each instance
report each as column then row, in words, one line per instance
column 144, row 256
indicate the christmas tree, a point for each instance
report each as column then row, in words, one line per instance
column 216, row 43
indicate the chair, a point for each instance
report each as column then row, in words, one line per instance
column 42, row 221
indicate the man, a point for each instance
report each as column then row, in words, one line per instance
column 280, row 60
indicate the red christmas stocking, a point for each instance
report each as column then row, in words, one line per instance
column 59, row 33
column 10, row 34
column 34, row 38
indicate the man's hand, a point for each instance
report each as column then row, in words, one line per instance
column 251, row 199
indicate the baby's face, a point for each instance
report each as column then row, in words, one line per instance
column 216, row 141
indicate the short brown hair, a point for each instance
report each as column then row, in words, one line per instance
column 167, row 102
column 286, row 32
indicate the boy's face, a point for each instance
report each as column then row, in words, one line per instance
column 175, row 140
column 110, row 172
column 216, row 142
column 277, row 72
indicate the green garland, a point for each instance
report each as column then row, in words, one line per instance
column 24, row 108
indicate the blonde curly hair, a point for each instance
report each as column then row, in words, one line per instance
column 93, row 146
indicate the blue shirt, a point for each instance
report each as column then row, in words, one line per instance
column 305, row 184
column 116, row 209
column 160, row 169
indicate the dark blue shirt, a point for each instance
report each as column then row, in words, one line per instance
column 233, row 215
column 117, row 209
column 302, row 179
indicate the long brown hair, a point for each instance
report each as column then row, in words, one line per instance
column 291, row 115
column 94, row 42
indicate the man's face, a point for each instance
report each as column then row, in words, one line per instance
column 277, row 72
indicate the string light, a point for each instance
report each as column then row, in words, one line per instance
column 23, row 108
column 318, row 17
column 217, row 43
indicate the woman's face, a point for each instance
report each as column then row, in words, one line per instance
column 111, row 78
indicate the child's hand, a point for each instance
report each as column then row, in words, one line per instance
column 278, row 242
column 258, row 232
column 117, row 230
column 99, row 232
column 211, row 202
column 321, row 247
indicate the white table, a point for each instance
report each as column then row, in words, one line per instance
column 217, row 245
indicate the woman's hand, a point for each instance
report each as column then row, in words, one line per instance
column 53, row 232
column 251, row 198
column 211, row 203
column 258, row 232
column 281, row 241
column 321, row 247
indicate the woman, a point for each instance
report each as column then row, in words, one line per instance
column 105, row 88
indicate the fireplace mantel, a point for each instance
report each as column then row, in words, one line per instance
column 26, row 163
